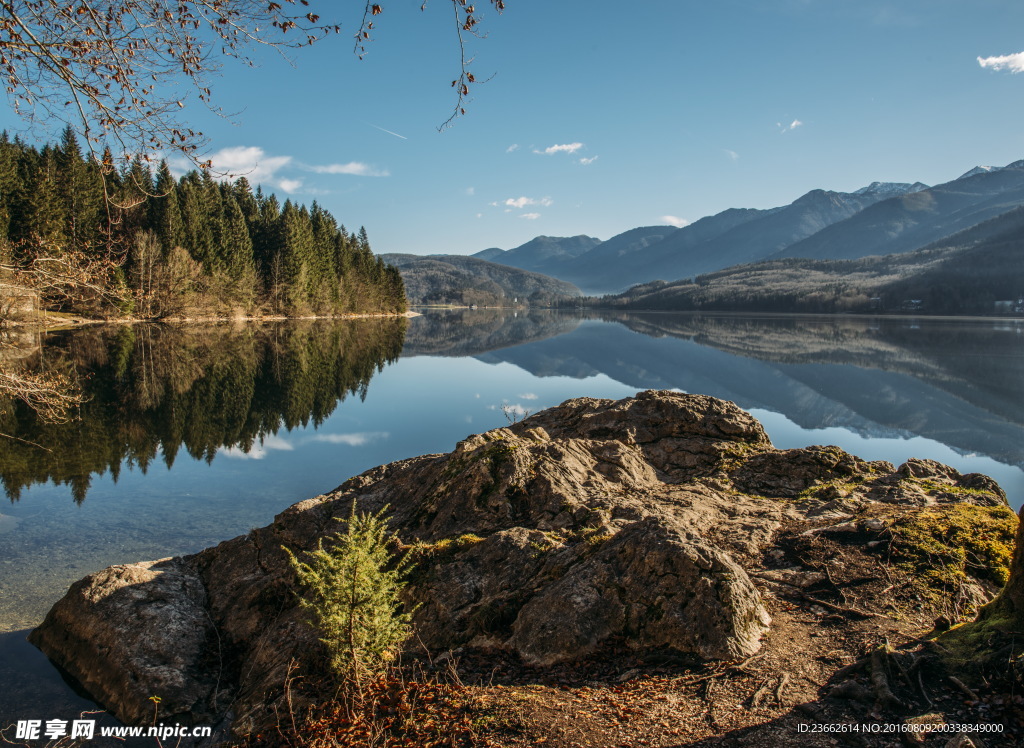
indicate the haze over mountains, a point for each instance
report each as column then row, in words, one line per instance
column 880, row 219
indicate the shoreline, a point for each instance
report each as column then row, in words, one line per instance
column 56, row 321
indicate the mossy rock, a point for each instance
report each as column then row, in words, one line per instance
column 944, row 545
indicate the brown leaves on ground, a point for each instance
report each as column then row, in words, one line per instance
column 391, row 712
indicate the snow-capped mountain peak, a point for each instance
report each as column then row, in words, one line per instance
column 979, row 170
column 891, row 189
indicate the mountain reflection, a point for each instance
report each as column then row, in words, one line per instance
column 956, row 381
column 979, row 361
column 468, row 332
column 153, row 389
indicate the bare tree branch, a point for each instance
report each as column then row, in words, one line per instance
column 122, row 71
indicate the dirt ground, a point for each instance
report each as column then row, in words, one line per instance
column 812, row 684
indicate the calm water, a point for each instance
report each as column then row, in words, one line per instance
column 194, row 436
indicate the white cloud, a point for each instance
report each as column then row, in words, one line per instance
column 530, row 216
column 250, row 162
column 513, row 147
column 253, row 163
column 260, row 450
column 471, row 191
column 675, row 221
column 565, row 148
column 522, row 202
column 732, row 154
column 356, row 168
column 791, row 126
column 357, row 439
column 1013, row 63
column 586, row 161
column 529, row 396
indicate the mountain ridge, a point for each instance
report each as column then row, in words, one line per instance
column 878, row 219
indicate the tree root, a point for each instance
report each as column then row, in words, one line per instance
column 880, row 681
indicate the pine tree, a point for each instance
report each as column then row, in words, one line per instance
column 10, row 184
column 198, row 236
column 244, row 246
column 353, row 587
column 81, row 193
column 45, row 216
column 237, row 253
column 164, row 211
column 296, row 236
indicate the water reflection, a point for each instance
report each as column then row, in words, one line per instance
column 468, row 332
column 153, row 389
column 227, row 390
column 954, row 381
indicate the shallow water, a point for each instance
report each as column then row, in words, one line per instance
column 200, row 435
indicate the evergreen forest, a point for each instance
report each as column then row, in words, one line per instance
column 145, row 244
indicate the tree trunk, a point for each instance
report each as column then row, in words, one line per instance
column 981, row 650
column 1009, row 605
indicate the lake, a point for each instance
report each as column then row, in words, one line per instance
column 192, row 435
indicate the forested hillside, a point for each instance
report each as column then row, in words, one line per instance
column 460, row 280
column 163, row 246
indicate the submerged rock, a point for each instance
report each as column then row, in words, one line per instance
column 591, row 522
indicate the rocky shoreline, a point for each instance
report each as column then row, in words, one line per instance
column 662, row 523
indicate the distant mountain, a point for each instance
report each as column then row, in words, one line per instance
column 754, row 237
column 963, row 274
column 905, row 223
column 489, row 254
column 892, row 189
column 732, row 237
column 619, row 251
column 543, row 254
column 461, row 280
column 979, row 170
column 883, row 218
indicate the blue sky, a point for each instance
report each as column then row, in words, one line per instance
column 599, row 117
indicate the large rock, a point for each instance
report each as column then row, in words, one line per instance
column 134, row 631
column 591, row 522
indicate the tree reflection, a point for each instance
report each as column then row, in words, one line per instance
column 152, row 389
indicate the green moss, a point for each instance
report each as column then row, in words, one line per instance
column 448, row 546
column 732, row 455
column 933, row 486
column 839, row 484
column 595, row 536
column 942, row 546
column 426, row 557
column 969, row 647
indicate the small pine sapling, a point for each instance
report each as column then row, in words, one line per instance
column 353, row 584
